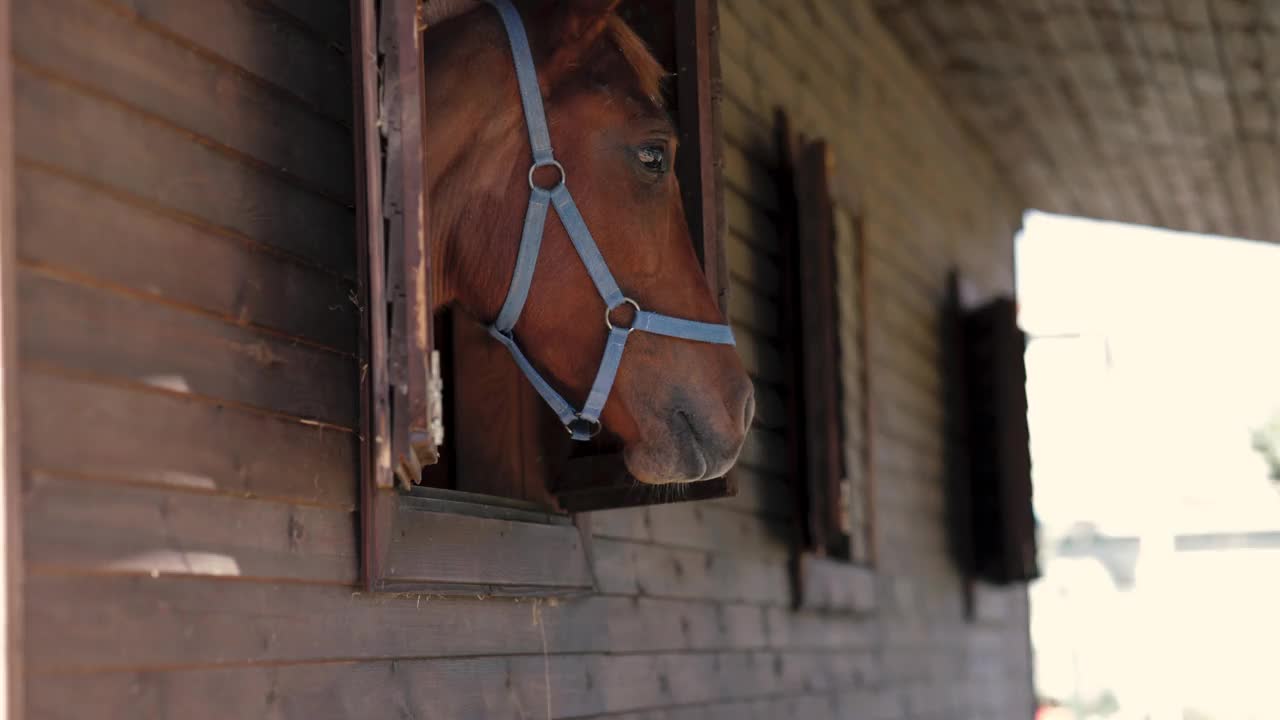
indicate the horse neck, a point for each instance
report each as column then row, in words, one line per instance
column 474, row 139
column 475, row 205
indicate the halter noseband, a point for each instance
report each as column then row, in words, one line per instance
column 584, row 424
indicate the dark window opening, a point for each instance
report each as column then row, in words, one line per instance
column 431, row 376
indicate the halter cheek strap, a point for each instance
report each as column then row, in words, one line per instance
column 582, row 424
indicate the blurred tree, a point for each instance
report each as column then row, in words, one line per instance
column 1266, row 440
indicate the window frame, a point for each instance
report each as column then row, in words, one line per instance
column 405, row 529
column 827, row 576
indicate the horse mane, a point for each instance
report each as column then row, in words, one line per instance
column 649, row 73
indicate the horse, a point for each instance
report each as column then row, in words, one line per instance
column 680, row 410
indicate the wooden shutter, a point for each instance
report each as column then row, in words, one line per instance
column 992, row 518
column 1000, row 461
column 400, row 409
column 817, row 426
column 683, row 35
column 831, row 572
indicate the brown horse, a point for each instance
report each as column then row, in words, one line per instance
column 680, row 409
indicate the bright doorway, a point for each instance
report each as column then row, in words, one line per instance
column 1153, row 382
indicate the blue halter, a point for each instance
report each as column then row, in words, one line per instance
column 584, row 424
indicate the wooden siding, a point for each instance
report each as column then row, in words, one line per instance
column 186, row 261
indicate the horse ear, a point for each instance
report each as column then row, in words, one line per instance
column 574, row 31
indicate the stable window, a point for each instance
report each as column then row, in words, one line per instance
column 992, row 519
column 461, row 493
column 829, row 403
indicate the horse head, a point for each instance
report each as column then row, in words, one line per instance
column 680, row 409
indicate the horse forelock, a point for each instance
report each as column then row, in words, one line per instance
column 649, row 73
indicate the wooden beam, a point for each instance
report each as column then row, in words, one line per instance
column 12, row 683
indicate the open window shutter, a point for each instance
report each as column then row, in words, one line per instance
column 831, row 573
column 413, row 370
column 683, row 34
column 401, row 424
column 1002, row 520
column 818, row 417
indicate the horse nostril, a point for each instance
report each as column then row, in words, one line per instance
column 748, row 409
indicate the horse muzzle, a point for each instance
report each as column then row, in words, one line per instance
column 698, row 442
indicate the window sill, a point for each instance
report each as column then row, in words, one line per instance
column 452, row 543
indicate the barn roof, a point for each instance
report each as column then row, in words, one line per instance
column 1161, row 112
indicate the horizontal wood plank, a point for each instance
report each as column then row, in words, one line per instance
column 182, row 622
column 862, row 704
column 107, row 334
column 751, row 224
column 752, row 268
column 641, row 569
column 526, row 686
column 760, row 356
column 102, row 48
column 120, row 623
column 131, row 434
column 751, row 178
column 771, row 408
column 490, row 554
column 696, row 526
column 60, row 126
column 765, row 450
column 109, row 528
column 77, row 228
column 749, row 309
column 835, row 586
column 252, row 36
column 760, row 493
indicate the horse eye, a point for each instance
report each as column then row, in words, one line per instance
column 653, row 158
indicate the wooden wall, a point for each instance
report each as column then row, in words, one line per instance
column 186, row 255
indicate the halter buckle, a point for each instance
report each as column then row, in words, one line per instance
column 608, row 321
column 546, row 163
column 581, row 428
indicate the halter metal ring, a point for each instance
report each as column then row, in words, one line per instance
column 625, row 301
column 588, row 428
column 546, row 163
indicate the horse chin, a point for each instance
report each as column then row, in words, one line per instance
column 658, row 466
column 679, row 458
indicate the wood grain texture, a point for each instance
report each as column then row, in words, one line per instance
column 251, row 36
column 135, row 435
column 107, row 51
column 551, row 686
column 13, row 635
column 696, row 526
column 117, row 623
column 652, row 570
column 89, row 527
column 834, row 586
column 73, row 227
column 862, row 704
column 445, row 549
column 58, row 125
column 696, row 620
column 103, row 333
